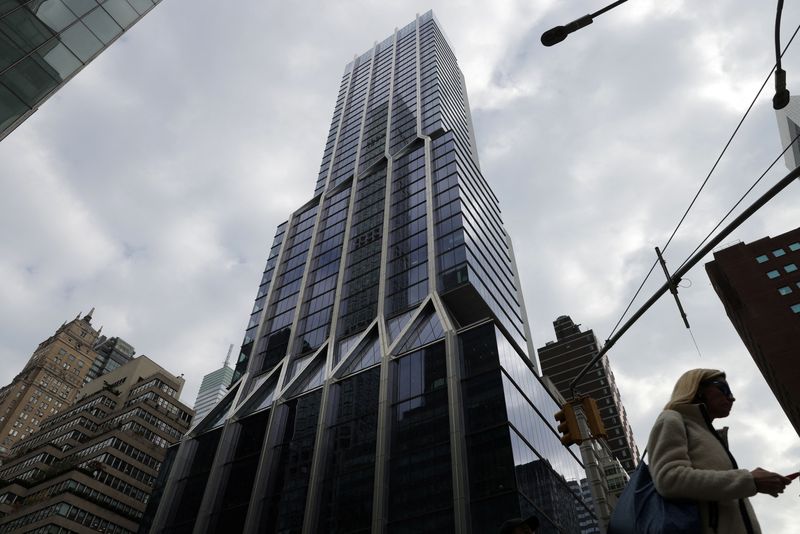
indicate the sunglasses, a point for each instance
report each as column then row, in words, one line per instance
column 722, row 386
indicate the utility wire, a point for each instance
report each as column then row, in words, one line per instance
column 708, row 176
column 741, row 199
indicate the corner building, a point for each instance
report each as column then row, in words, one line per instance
column 385, row 381
column 759, row 286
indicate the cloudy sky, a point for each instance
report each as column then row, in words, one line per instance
column 151, row 185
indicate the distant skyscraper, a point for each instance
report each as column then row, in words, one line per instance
column 789, row 129
column 91, row 468
column 111, row 353
column 564, row 358
column 49, row 382
column 386, row 382
column 759, row 285
column 44, row 43
column 212, row 389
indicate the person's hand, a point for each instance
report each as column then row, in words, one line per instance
column 769, row 482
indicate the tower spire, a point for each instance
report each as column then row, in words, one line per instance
column 228, row 357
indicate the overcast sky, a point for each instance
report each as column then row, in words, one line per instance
column 150, row 186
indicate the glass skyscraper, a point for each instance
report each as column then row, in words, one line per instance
column 44, row 43
column 386, row 381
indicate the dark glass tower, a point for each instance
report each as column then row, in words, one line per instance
column 386, row 381
column 44, row 43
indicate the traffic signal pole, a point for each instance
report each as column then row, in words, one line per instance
column 592, row 452
column 691, row 262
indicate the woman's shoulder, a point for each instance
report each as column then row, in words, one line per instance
column 669, row 416
column 668, row 421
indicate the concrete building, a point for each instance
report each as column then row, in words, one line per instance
column 91, row 468
column 759, row 286
column 386, row 381
column 49, row 382
column 44, row 43
column 564, row 358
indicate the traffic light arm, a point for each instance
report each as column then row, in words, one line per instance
column 691, row 262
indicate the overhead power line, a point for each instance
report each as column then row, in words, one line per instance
column 705, row 181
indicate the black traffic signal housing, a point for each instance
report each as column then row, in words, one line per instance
column 568, row 425
column 593, row 418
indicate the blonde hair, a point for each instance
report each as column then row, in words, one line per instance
column 685, row 390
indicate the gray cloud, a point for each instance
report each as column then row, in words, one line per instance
column 151, row 185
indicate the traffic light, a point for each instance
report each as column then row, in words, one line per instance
column 593, row 419
column 568, row 426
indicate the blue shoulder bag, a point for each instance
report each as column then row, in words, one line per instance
column 641, row 510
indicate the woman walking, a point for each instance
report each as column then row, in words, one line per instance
column 689, row 458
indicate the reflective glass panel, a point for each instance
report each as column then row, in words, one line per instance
column 316, row 378
column 9, row 5
column 81, row 41
column 346, row 345
column 141, row 5
column 263, row 399
column 11, row 107
column 9, row 52
column 369, row 354
column 25, row 29
column 287, row 503
column 347, row 487
column 30, row 80
column 396, row 324
column 122, row 12
column 420, row 478
column 429, row 329
column 102, row 25
column 58, row 56
column 53, row 13
column 80, row 7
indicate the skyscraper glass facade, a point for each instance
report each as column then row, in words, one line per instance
column 386, row 381
column 44, row 43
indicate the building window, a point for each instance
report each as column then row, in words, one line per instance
column 795, row 308
column 773, row 274
column 790, row 268
column 762, row 258
column 785, row 290
column 794, row 246
column 778, row 252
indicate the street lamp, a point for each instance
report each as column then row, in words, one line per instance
column 559, row 33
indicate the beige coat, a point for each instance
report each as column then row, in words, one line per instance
column 687, row 461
